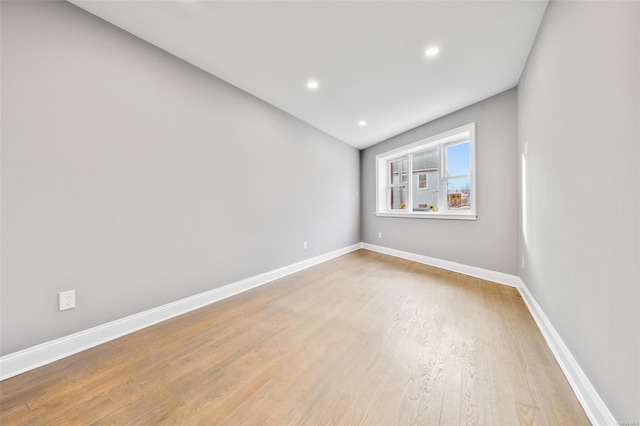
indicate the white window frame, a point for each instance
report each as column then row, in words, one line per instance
column 443, row 140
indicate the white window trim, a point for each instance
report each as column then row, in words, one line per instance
column 460, row 134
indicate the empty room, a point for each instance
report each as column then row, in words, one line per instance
column 320, row 212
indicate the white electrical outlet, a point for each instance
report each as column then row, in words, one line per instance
column 379, row 234
column 304, row 245
column 67, row 300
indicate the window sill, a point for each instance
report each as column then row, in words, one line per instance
column 454, row 216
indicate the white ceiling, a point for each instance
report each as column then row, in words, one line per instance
column 368, row 56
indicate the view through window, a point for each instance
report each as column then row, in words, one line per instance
column 430, row 178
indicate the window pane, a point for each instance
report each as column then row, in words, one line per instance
column 399, row 198
column 426, row 160
column 459, row 193
column 398, row 171
column 459, row 159
column 426, row 199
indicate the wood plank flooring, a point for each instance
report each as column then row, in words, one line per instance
column 362, row 339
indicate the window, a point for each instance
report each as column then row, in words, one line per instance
column 398, row 184
column 431, row 178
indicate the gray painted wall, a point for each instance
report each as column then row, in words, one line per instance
column 137, row 179
column 579, row 110
column 491, row 241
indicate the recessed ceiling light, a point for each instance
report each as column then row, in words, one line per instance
column 432, row 51
column 362, row 123
column 312, row 84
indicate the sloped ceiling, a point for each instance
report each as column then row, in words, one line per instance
column 368, row 57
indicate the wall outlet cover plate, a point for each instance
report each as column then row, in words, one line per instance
column 67, row 300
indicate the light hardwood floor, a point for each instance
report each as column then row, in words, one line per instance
column 362, row 339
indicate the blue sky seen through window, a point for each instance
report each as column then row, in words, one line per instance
column 459, row 163
column 459, row 159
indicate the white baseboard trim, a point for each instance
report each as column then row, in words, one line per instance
column 45, row 353
column 593, row 405
column 485, row 274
